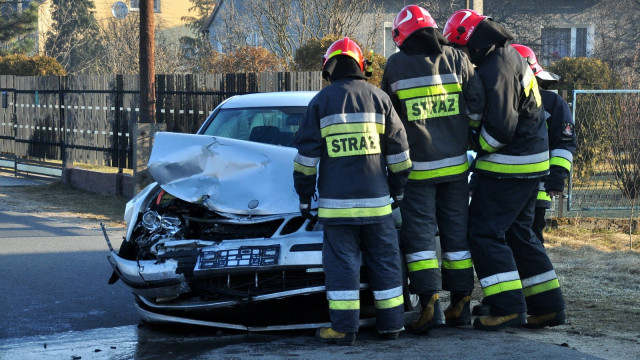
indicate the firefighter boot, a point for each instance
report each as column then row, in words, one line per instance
column 550, row 319
column 493, row 322
column 329, row 336
column 430, row 317
column 391, row 335
column 458, row 313
column 481, row 310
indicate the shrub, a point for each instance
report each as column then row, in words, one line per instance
column 309, row 57
column 22, row 65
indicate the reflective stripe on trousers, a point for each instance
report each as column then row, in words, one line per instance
column 341, row 255
column 506, row 253
column 425, row 208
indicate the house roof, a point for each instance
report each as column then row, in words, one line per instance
column 212, row 17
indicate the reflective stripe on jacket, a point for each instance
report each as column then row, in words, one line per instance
column 438, row 96
column 513, row 136
column 562, row 141
column 353, row 135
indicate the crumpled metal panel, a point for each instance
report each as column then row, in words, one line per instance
column 225, row 175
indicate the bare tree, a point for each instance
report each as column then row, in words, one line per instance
column 283, row 26
column 121, row 39
column 235, row 28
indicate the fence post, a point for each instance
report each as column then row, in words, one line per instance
column 63, row 121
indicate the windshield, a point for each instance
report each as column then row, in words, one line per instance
column 269, row 125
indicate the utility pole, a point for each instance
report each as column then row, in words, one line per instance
column 476, row 5
column 147, row 70
column 146, row 127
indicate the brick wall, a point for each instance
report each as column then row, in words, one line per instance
column 99, row 182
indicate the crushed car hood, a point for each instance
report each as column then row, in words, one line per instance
column 225, row 175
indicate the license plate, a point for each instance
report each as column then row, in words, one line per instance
column 243, row 256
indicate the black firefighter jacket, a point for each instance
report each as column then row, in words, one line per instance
column 513, row 139
column 438, row 96
column 353, row 131
column 562, row 145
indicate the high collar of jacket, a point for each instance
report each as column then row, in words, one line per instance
column 488, row 36
column 424, row 41
column 340, row 67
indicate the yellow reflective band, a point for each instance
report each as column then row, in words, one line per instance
column 367, row 127
column 457, row 264
column 354, row 212
column 485, row 145
column 542, row 195
column 307, row 170
column 389, row 303
column 422, row 265
column 353, row 144
column 432, row 107
column 428, row 91
column 502, row 287
column 545, row 286
column 337, row 52
column 475, row 123
column 397, row 167
column 511, row 168
column 533, row 85
column 344, row 304
column 558, row 161
column 447, row 171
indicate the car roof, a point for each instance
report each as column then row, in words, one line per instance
column 268, row 99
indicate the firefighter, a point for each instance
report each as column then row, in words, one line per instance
column 353, row 136
column 515, row 273
column 438, row 95
column 562, row 139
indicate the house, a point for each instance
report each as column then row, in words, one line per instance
column 552, row 28
column 168, row 17
column 572, row 28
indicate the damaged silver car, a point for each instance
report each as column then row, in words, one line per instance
column 218, row 239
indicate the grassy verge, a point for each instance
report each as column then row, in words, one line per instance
column 63, row 201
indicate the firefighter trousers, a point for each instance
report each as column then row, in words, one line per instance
column 376, row 245
column 512, row 265
column 427, row 208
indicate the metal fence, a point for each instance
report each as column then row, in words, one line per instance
column 606, row 170
column 88, row 119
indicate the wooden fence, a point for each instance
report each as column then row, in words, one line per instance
column 88, row 119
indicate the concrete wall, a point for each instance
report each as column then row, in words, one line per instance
column 99, row 182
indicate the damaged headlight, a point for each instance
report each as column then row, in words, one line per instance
column 152, row 222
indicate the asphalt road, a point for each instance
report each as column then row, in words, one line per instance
column 54, row 279
column 55, row 303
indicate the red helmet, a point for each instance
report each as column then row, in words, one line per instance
column 538, row 71
column 461, row 25
column 528, row 54
column 408, row 20
column 347, row 47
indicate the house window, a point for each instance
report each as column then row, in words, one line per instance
column 565, row 41
column 387, row 40
column 134, row 5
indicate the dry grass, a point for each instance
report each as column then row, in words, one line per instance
column 57, row 200
column 599, row 277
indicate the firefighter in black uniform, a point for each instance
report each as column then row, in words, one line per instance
column 514, row 270
column 352, row 131
column 438, row 95
column 562, row 139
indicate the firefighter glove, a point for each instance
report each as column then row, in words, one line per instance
column 554, row 182
column 305, row 209
column 397, row 200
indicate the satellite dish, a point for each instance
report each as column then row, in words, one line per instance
column 119, row 10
